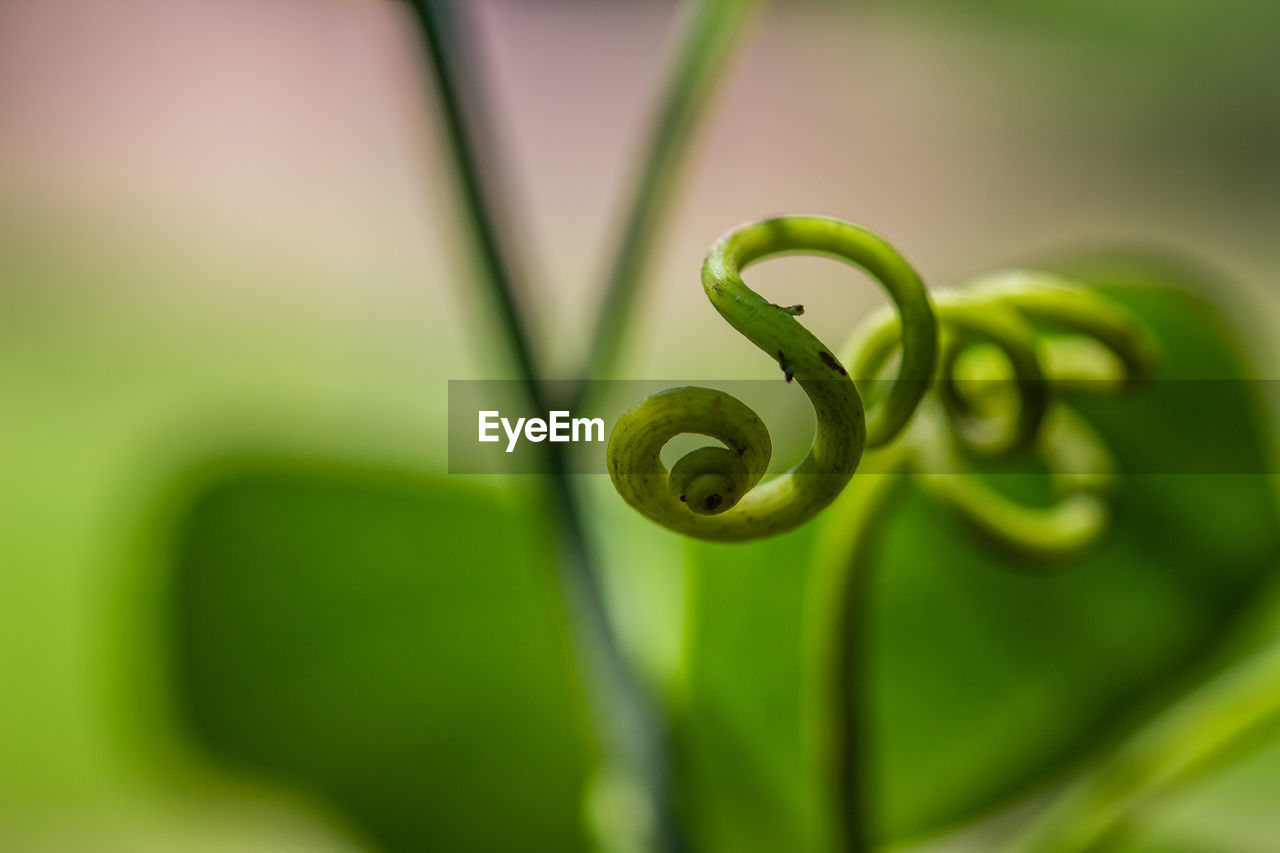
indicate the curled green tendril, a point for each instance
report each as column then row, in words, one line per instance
column 715, row 492
column 1090, row 318
column 1081, row 473
column 997, row 391
column 997, row 356
column 1107, row 349
column 965, row 321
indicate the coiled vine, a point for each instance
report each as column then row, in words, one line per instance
column 979, row 372
column 715, row 492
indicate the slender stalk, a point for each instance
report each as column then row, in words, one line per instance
column 705, row 45
column 456, row 89
column 633, row 733
column 838, row 609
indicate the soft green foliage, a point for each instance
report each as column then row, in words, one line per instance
column 434, row 664
column 367, row 637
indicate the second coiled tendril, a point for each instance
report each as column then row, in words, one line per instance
column 982, row 352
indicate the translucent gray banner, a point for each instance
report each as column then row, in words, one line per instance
column 1166, row 426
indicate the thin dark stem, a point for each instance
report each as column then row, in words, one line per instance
column 704, row 46
column 849, row 768
column 633, row 732
column 454, row 77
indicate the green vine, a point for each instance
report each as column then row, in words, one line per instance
column 712, row 493
column 1012, row 344
column 987, row 333
column 980, row 373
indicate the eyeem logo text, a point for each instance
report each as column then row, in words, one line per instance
column 559, row 426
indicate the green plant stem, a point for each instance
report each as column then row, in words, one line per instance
column 706, row 42
column 836, row 640
column 634, row 736
column 456, row 88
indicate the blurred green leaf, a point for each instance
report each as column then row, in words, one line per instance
column 1232, row 811
column 390, row 644
column 986, row 677
column 742, row 729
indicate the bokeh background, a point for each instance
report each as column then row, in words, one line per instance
column 243, row 607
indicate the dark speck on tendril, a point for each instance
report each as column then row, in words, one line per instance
column 830, row 361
